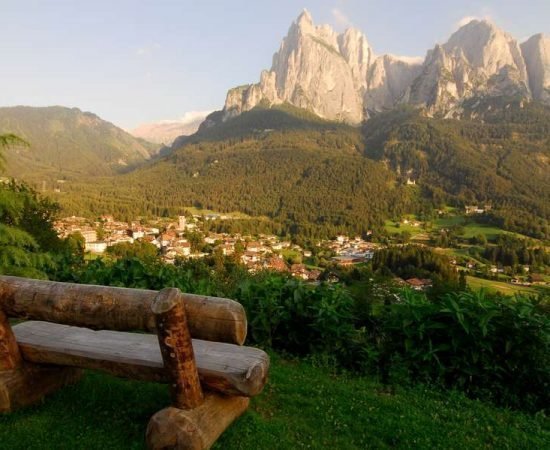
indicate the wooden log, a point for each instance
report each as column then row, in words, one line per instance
column 113, row 308
column 29, row 383
column 177, row 349
column 194, row 429
column 10, row 358
column 225, row 368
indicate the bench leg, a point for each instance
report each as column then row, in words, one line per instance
column 29, row 383
column 194, row 429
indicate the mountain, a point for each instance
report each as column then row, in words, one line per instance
column 536, row 52
column 332, row 75
column 339, row 76
column 306, row 175
column 315, row 177
column 478, row 60
column 68, row 143
column 166, row 131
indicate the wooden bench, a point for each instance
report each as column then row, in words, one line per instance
column 197, row 345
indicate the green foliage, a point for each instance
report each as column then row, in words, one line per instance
column 26, row 232
column 6, row 141
column 502, row 161
column 415, row 262
column 305, row 176
column 288, row 315
column 510, row 251
column 66, row 143
column 141, row 250
column 493, row 347
column 20, row 254
column 490, row 347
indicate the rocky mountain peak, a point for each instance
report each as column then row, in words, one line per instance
column 479, row 59
column 305, row 21
column 339, row 77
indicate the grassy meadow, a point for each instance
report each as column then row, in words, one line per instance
column 301, row 407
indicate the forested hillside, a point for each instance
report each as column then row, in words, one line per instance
column 307, row 175
column 66, row 143
column 501, row 159
column 315, row 177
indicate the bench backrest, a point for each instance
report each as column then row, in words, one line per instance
column 117, row 309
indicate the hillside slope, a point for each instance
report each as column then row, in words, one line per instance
column 316, row 177
column 502, row 158
column 68, row 143
column 304, row 173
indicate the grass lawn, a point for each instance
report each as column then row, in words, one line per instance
column 390, row 226
column 498, row 286
column 472, row 228
column 301, row 407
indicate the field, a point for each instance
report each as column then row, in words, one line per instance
column 469, row 226
column 497, row 286
column 301, row 407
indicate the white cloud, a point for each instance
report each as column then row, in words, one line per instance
column 484, row 14
column 408, row 59
column 147, row 50
column 188, row 117
column 341, row 19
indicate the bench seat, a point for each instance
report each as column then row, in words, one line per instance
column 225, row 368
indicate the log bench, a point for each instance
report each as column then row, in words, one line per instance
column 196, row 349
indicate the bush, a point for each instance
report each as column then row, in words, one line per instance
column 491, row 347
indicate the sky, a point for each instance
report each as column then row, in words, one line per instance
column 132, row 62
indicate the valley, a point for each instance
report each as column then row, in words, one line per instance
column 379, row 225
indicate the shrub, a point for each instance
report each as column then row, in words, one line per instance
column 492, row 347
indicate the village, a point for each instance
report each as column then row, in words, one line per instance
column 185, row 237
column 257, row 253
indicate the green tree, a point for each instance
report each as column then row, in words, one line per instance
column 25, row 224
column 141, row 250
column 7, row 140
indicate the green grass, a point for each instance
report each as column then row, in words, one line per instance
column 498, row 286
column 471, row 228
column 390, row 226
column 300, row 407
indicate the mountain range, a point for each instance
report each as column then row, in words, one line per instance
column 68, row 143
column 340, row 77
column 166, row 131
column 468, row 125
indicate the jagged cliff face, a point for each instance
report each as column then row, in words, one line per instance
column 389, row 78
column 310, row 72
column 478, row 60
column 338, row 76
column 536, row 52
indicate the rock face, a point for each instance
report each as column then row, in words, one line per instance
column 478, row 60
column 338, row 76
column 309, row 72
column 536, row 52
column 389, row 79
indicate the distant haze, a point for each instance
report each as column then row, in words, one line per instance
column 165, row 131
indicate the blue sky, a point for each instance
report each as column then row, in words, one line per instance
column 139, row 61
